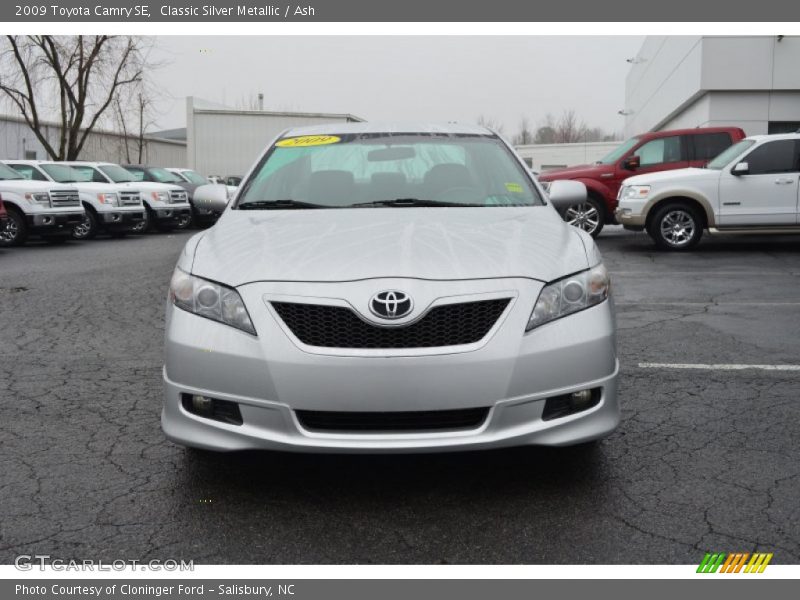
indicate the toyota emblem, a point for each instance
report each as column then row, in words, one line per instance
column 391, row 304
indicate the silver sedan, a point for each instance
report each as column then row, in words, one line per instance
column 387, row 288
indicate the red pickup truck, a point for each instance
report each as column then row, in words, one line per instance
column 646, row 153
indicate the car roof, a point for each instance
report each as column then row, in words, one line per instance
column 691, row 131
column 389, row 127
column 775, row 136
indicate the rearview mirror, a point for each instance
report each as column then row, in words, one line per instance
column 392, row 153
column 212, row 197
column 564, row 193
column 741, row 168
column 632, row 163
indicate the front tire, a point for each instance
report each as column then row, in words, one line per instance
column 676, row 226
column 588, row 216
column 16, row 231
column 143, row 225
column 184, row 221
column 88, row 228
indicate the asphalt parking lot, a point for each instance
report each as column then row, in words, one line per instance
column 705, row 459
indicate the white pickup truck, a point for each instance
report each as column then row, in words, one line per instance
column 36, row 207
column 166, row 205
column 752, row 187
column 113, row 208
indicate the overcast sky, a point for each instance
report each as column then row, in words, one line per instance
column 401, row 78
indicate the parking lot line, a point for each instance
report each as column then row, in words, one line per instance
column 718, row 367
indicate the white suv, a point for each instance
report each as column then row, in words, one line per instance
column 114, row 208
column 752, row 187
column 37, row 207
column 166, row 206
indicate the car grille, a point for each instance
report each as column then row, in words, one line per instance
column 59, row 198
column 178, row 197
column 130, row 199
column 341, row 327
column 408, row 421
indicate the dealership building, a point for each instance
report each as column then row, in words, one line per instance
column 752, row 82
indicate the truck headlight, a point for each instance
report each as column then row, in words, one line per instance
column 634, row 192
column 110, row 199
column 160, row 196
column 570, row 295
column 211, row 300
column 38, row 198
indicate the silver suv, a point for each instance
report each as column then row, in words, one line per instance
column 752, row 187
column 386, row 288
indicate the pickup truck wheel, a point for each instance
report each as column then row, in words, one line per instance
column 588, row 216
column 676, row 226
column 144, row 224
column 184, row 221
column 15, row 232
column 87, row 229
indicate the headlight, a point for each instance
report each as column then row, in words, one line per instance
column 160, row 196
column 570, row 295
column 38, row 198
column 211, row 300
column 634, row 192
column 110, row 199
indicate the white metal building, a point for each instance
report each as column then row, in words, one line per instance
column 541, row 157
column 225, row 141
column 17, row 141
column 693, row 81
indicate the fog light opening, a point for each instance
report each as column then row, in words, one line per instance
column 569, row 404
column 212, row 408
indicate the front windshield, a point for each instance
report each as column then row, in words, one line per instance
column 117, row 174
column 618, row 152
column 7, row 172
column 378, row 169
column 163, row 176
column 64, row 173
column 194, row 177
column 727, row 156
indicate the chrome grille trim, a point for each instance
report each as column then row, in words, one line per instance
column 130, row 199
column 178, row 197
column 59, row 198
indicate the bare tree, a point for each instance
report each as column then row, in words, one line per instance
column 568, row 129
column 73, row 79
column 491, row 123
column 524, row 136
column 134, row 116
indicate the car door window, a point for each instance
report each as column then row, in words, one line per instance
column 28, row 172
column 709, row 145
column 661, row 150
column 779, row 156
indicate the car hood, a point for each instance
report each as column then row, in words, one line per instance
column 151, row 186
column 672, row 176
column 590, row 171
column 423, row 243
column 30, row 186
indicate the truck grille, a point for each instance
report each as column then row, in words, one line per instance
column 341, row 327
column 59, row 198
column 178, row 197
column 423, row 420
column 130, row 199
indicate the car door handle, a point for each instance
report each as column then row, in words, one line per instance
column 783, row 181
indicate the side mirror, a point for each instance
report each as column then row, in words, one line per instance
column 741, row 168
column 565, row 193
column 212, row 197
column 632, row 163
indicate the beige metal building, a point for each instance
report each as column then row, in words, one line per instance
column 225, row 141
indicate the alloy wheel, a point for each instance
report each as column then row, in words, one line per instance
column 678, row 228
column 583, row 216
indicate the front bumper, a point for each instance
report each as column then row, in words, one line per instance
column 631, row 218
column 126, row 219
column 271, row 376
column 171, row 215
column 54, row 223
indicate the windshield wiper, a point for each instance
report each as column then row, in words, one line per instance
column 401, row 202
column 278, row 204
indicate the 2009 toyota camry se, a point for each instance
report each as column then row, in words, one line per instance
column 386, row 288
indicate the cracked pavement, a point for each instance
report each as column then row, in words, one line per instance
column 703, row 460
